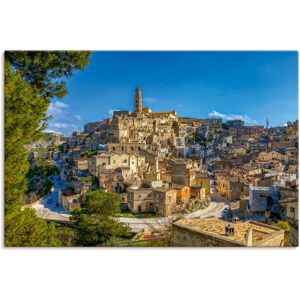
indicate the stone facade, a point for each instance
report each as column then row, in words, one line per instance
column 159, row 200
column 213, row 232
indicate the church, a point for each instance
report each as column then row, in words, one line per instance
column 142, row 125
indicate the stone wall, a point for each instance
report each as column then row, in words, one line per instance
column 185, row 237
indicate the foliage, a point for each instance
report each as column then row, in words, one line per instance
column 286, row 227
column 89, row 179
column 61, row 148
column 145, row 185
column 43, row 170
column 31, row 80
column 47, row 187
column 66, row 235
column 96, row 220
column 23, row 228
column 88, row 153
column 126, row 213
column 45, row 70
column 126, row 186
column 143, row 243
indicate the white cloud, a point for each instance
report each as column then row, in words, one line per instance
column 61, row 104
column 65, row 128
column 111, row 111
column 59, row 125
column 57, row 108
column 78, row 117
column 52, row 131
column 149, row 100
column 228, row 117
column 62, row 119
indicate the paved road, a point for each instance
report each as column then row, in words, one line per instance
column 48, row 208
column 214, row 210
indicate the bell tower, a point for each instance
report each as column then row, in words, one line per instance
column 138, row 100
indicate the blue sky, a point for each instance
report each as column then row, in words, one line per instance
column 247, row 85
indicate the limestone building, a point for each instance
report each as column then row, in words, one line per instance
column 162, row 201
column 212, row 232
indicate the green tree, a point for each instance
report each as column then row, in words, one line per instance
column 46, row 71
column 96, row 220
column 32, row 79
column 24, row 228
column 286, row 227
column 66, row 235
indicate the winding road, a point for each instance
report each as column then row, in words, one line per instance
column 214, row 210
column 49, row 209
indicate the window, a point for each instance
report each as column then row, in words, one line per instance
column 114, row 162
column 140, row 196
column 132, row 162
column 125, row 161
column 139, row 208
column 131, row 148
column 122, row 148
column 292, row 209
column 113, row 148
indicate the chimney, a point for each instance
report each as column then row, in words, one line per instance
column 249, row 236
column 235, row 219
column 229, row 230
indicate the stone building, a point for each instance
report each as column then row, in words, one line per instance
column 289, row 211
column 128, row 148
column 183, row 172
column 81, row 163
column 69, row 200
column 263, row 198
column 212, row 232
column 235, row 123
column 183, row 193
column 204, row 181
column 198, row 192
column 109, row 161
column 231, row 188
column 162, row 201
column 111, row 181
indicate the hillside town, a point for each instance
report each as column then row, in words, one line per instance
column 202, row 182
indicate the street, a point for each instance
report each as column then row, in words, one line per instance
column 215, row 209
column 49, row 207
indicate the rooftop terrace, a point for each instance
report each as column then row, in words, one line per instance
column 216, row 227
